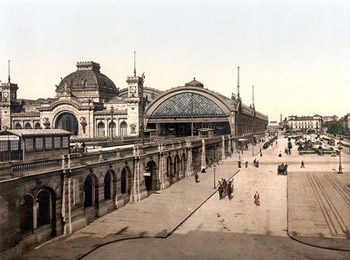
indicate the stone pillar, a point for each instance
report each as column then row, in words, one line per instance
column 229, row 145
column 35, row 214
column 203, row 162
column 189, row 166
column 223, row 155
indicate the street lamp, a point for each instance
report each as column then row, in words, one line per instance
column 214, row 167
column 340, row 167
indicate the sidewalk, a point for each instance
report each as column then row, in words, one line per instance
column 156, row 216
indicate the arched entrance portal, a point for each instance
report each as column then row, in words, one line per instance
column 68, row 122
column 150, row 175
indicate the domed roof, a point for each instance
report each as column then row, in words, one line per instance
column 87, row 77
column 194, row 83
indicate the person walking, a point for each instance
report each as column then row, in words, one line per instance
column 257, row 198
column 302, row 165
column 229, row 190
column 239, row 164
column 196, row 177
column 246, row 164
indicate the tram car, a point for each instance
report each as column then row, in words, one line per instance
column 32, row 144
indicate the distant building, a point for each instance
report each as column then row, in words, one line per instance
column 329, row 118
column 272, row 128
column 347, row 120
column 305, row 123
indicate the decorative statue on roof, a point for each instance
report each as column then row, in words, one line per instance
column 83, row 123
column 46, row 123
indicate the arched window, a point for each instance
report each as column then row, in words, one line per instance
column 112, row 129
column 123, row 128
column 27, row 126
column 101, row 129
column 44, row 211
column 26, row 214
column 151, row 175
column 18, row 126
column 124, row 179
column 37, row 126
column 107, row 186
column 88, row 190
column 67, row 121
column 176, row 165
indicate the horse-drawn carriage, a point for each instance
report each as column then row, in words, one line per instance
column 282, row 169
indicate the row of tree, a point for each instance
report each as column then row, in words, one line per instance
column 337, row 128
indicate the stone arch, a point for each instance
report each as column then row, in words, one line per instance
column 177, row 163
column 109, row 185
column 18, row 126
column 183, row 162
column 26, row 214
column 28, row 126
column 101, row 129
column 151, row 175
column 67, row 121
column 45, row 208
column 123, row 130
column 37, row 125
column 90, row 191
column 112, row 128
column 169, row 166
column 126, row 180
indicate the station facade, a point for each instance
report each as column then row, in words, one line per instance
column 89, row 105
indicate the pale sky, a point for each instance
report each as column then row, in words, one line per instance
column 295, row 53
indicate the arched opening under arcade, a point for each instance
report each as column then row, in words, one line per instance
column 150, row 176
column 46, row 209
column 126, row 181
column 26, row 214
column 123, row 129
column 90, row 191
column 100, row 129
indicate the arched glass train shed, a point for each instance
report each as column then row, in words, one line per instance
column 182, row 111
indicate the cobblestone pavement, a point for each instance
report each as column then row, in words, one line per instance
column 219, row 229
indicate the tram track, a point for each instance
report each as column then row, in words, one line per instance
column 334, row 220
column 340, row 188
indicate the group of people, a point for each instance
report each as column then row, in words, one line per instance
column 79, row 148
column 225, row 187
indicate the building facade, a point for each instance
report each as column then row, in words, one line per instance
column 89, row 105
column 305, row 123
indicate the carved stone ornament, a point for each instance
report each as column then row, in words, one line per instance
column 83, row 123
column 46, row 122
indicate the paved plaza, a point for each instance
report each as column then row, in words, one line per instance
column 189, row 221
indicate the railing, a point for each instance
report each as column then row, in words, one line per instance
column 34, row 165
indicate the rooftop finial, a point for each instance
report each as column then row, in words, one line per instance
column 9, row 77
column 134, row 63
column 238, row 82
column 253, row 95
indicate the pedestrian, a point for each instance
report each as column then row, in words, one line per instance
column 302, row 165
column 254, row 162
column 220, row 189
column 203, row 170
column 230, row 190
column 257, row 164
column 239, row 164
column 280, row 154
column 196, row 177
column 224, row 184
column 257, row 199
column 246, row 164
column 260, row 153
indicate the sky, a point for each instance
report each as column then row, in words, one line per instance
column 295, row 53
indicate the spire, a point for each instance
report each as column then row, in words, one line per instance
column 134, row 63
column 9, row 77
column 238, row 96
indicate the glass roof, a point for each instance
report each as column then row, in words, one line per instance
column 187, row 105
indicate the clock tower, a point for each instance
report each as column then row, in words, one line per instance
column 8, row 102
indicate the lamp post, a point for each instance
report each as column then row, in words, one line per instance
column 340, row 171
column 214, row 167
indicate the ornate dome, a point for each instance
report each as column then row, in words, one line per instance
column 194, row 83
column 87, row 78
